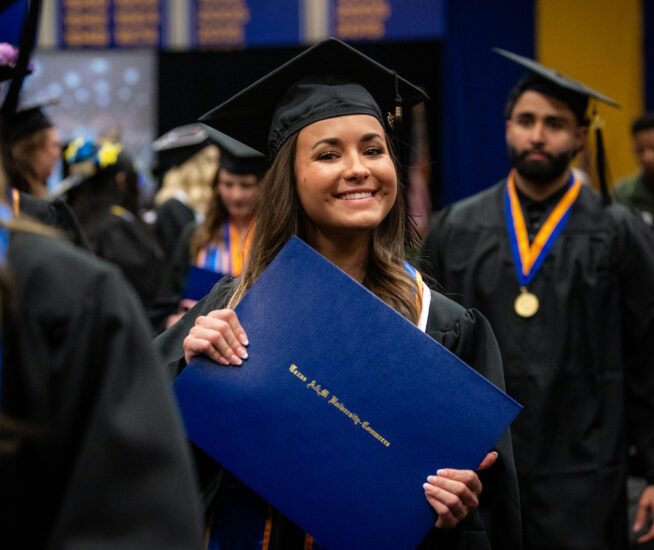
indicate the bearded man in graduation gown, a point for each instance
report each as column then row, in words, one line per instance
column 567, row 282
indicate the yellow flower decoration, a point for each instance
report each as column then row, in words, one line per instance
column 108, row 154
column 73, row 147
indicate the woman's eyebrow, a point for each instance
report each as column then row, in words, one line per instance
column 371, row 136
column 328, row 141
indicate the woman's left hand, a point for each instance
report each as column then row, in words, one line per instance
column 453, row 493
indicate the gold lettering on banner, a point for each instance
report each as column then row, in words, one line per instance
column 84, row 3
column 221, row 22
column 136, row 22
column 362, row 18
column 336, row 403
column 89, row 22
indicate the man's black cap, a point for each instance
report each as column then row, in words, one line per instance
column 551, row 83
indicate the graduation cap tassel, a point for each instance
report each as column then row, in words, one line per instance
column 398, row 100
column 600, row 160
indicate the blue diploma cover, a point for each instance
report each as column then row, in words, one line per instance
column 199, row 282
column 343, row 408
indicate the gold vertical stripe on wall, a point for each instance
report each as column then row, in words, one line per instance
column 600, row 43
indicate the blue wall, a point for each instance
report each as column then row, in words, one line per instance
column 476, row 83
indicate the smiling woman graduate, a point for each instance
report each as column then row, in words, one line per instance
column 334, row 183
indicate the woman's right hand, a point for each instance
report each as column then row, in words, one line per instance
column 219, row 336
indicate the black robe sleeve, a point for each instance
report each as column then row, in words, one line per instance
column 496, row 523
column 102, row 461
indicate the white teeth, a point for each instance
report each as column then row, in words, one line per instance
column 354, row 196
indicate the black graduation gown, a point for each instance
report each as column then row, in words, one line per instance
column 55, row 213
column 496, row 524
column 173, row 281
column 172, row 217
column 109, row 467
column 119, row 238
column 582, row 367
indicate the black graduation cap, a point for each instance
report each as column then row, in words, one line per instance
column 550, row 82
column 236, row 157
column 29, row 120
column 327, row 80
column 178, row 145
column 573, row 93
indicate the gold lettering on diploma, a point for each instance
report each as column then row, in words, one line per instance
column 334, row 401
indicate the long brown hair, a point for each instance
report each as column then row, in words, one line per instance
column 280, row 215
column 211, row 228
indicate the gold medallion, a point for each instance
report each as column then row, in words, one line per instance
column 526, row 304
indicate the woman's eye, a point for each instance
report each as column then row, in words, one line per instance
column 327, row 155
column 372, row 151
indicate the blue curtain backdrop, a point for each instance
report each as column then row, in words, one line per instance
column 476, row 83
column 648, row 53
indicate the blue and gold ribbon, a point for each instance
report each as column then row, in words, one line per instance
column 528, row 258
column 418, row 278
column 5, row 217
column 229, row 256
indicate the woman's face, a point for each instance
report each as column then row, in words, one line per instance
column 238, row 193
column 346, row 179
column 46, row 156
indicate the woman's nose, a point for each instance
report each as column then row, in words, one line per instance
column 356, row 167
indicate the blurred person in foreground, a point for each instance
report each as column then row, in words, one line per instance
column 92, row 452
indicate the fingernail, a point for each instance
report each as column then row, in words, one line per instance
column 235, row 360
column 425, row 486
column 495, row 453
column 441, row 472
column 222, row 361
column 243, row 339
column 242, row 353
column 431, row 479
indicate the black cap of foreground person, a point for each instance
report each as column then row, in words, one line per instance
column 327, row 80
column 574, row 94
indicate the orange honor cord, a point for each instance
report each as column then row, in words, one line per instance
column 265, row 545
column 15, row 196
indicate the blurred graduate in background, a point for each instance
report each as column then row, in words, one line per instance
column 103, row 191
column 187, row 161
column 220, row 244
